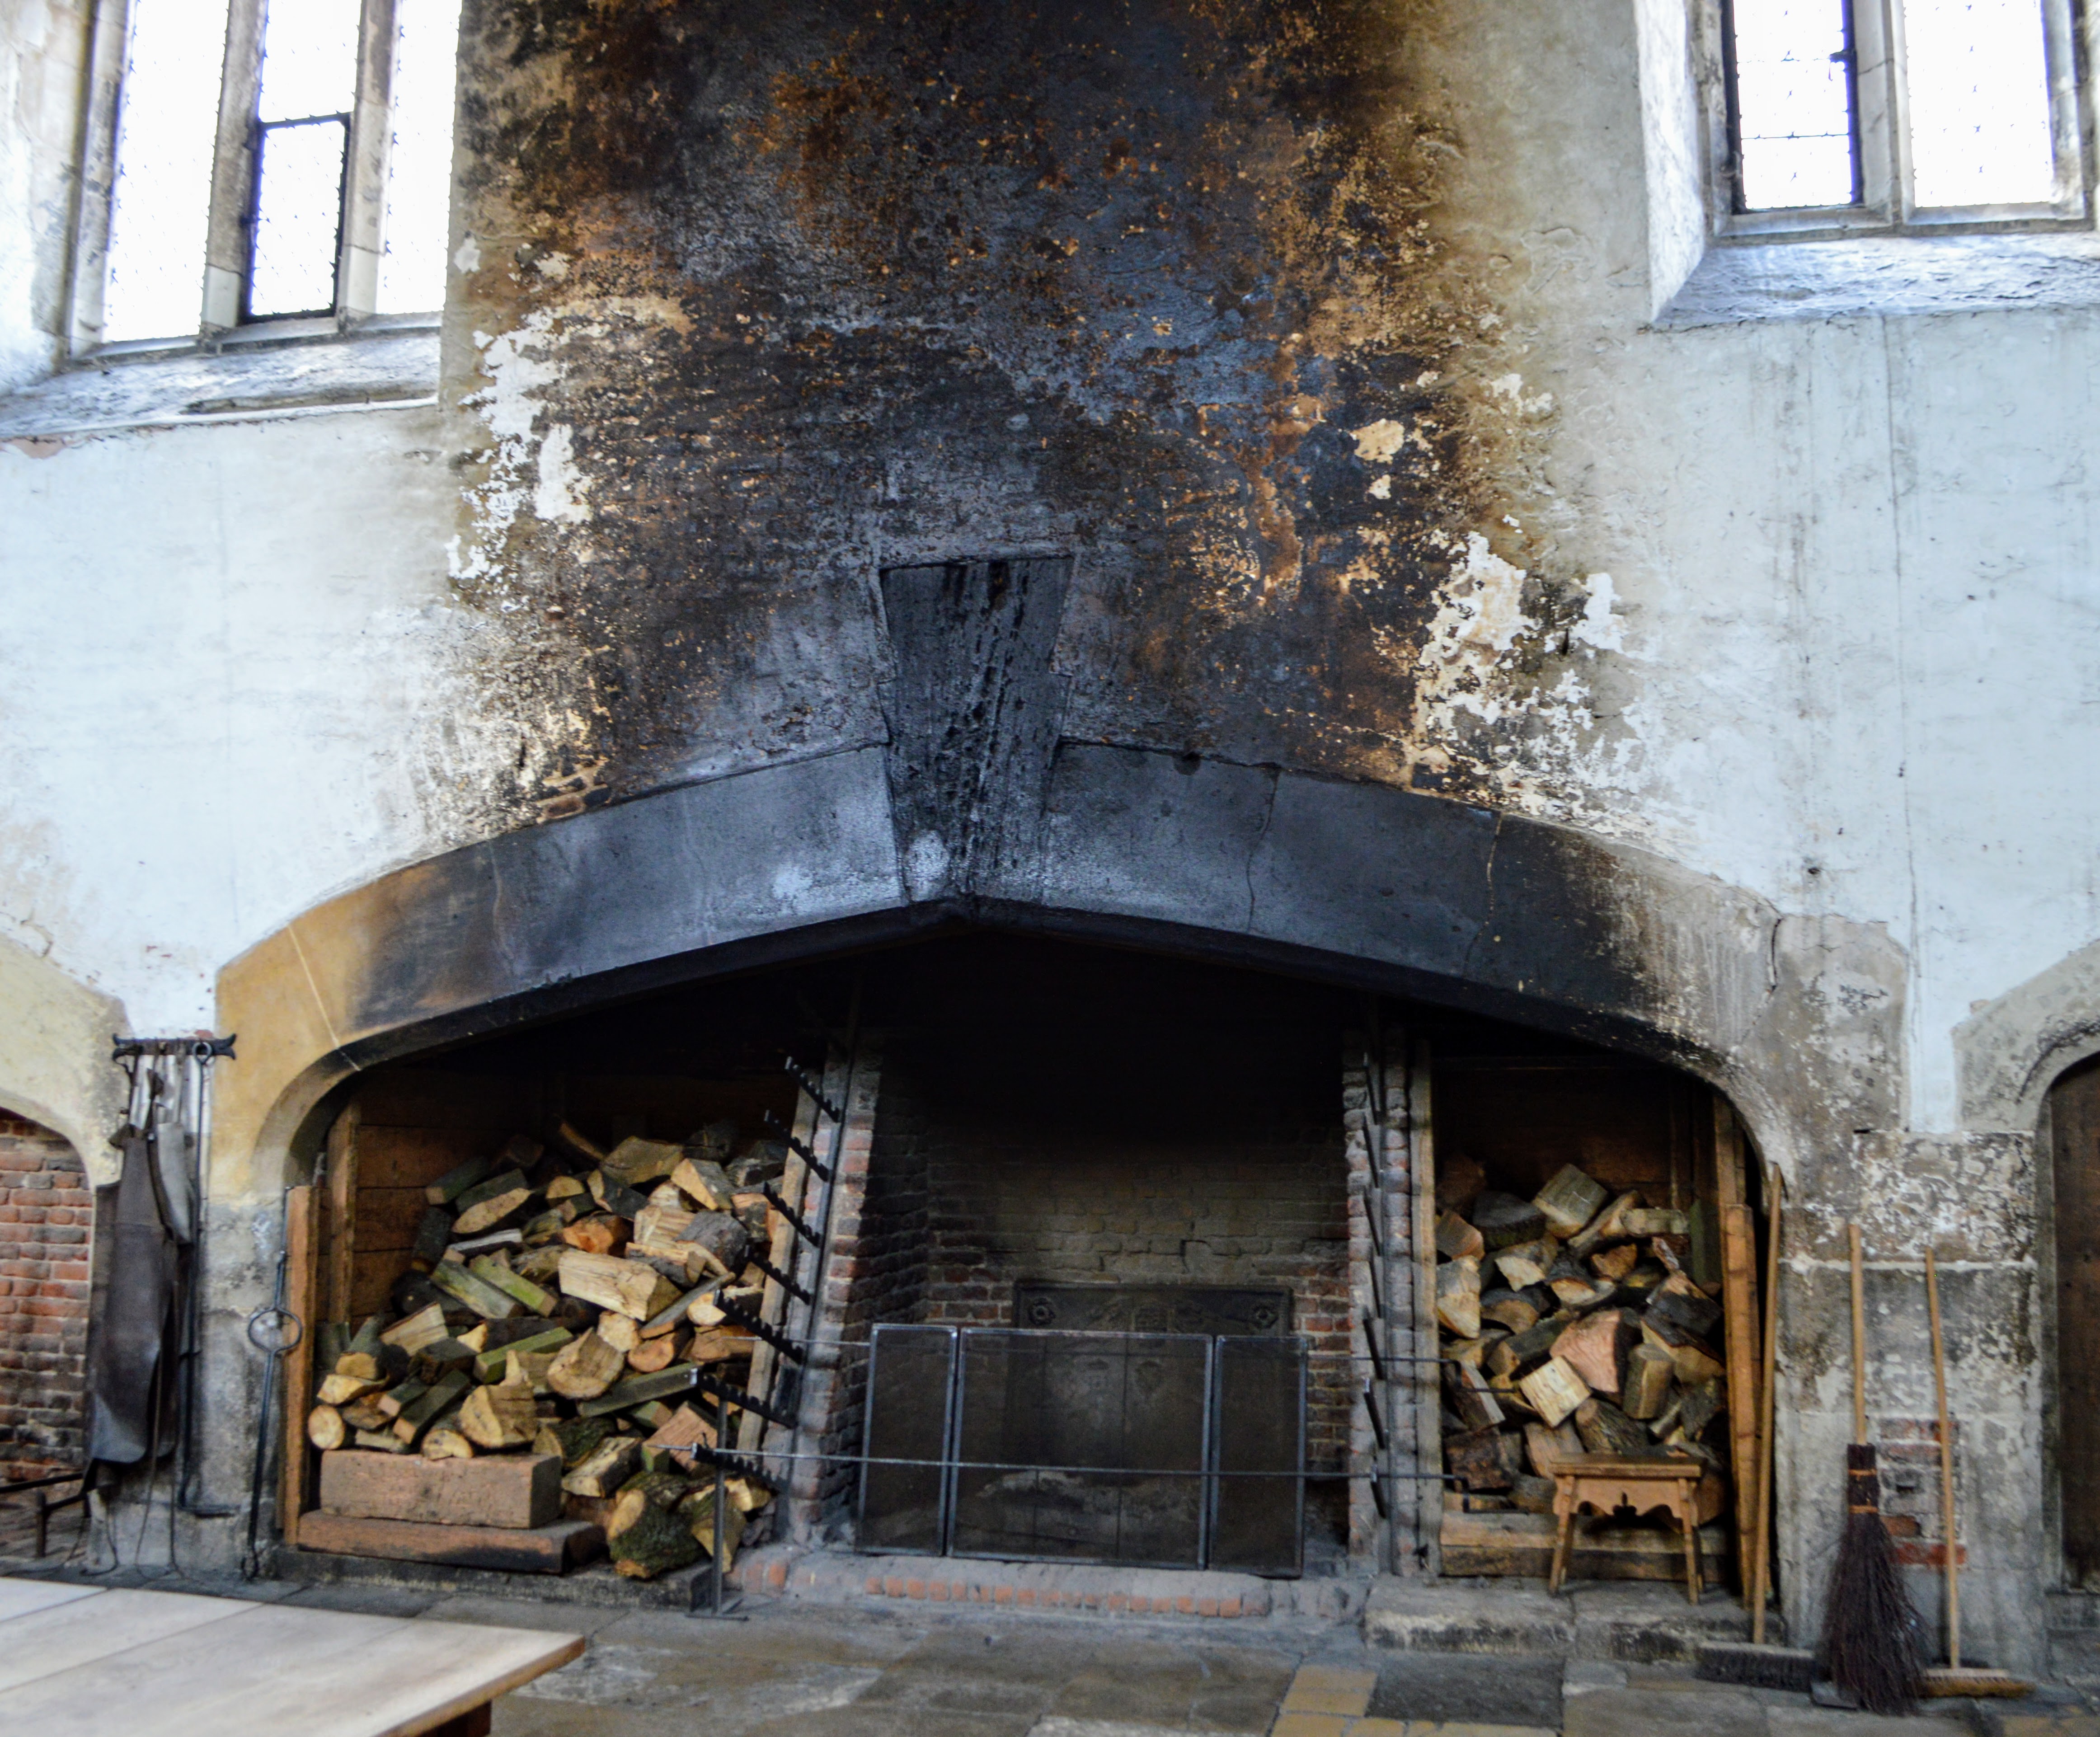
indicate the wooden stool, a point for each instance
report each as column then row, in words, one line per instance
column 1605, row 1482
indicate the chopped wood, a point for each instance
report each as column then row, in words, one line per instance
column 748, row 1496
column 657, row 1230
column 488, row 1243
column 456, row 1181
column 529, row 1368
column 623, row 1333
column 1472, row 1403
column 564, row 1189
column 1595, row 1347
column 478, row 1294
column 1514, row 1355
column 1570, row 1201
column 607, row 1466
column 1458, row 1297
column 1703, row 1403
column 433, row 1231
column 698, row 1512
column 1653, row 1221
column 705, row 1182
column 1554, row 1389
column 652, row 1355
column 637, row 1389
column 627, row 1286
column 377, row 1441
column 1669, row 1253
column 365, row 1414
column 1678, row 1302
column 1649, row 1375
column 1523, row 1263
column 444, row 1442
column 439, row 1397
column 705, row 1309
column 585, row 1367
column 720, row 1240
column 1508, row 1309
column 574, row 1138
column 614, row 1195
column 684, row 1430
column 342, row 1390
column 719, row 1344
column 359, row 1365
column 1532, row 1495
column 1580, row 1291
column 541, row 1265
column 1695, row 1362
column 1456, row 1239
column 574, row 1439
column 499, row 1417
column 1605, row 1429
column 1476, row 1458
column 543, row 1227
column 1503, row 1221
column 487, row 1214
column 1615, row 1263
column 490, row 1364
column 669, row 1319
column 637, row 1162
column 1549, row 1448
column 1608, row 1226
column 426, row 1327
column 475, row 1338
column 518, row 1288
column 654, row 1544
column 325, row 1428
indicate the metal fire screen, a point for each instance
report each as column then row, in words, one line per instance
column 1163, row 1449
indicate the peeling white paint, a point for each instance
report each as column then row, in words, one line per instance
column 559, row 495
column 1378, row 442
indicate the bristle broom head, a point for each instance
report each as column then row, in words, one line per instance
column 1756, row 1667
column 1872, row 1642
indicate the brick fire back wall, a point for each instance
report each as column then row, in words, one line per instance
column 46, row 1211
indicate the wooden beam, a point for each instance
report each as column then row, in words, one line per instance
column 339, row 1226
column 1739, row 1310
column 1428, row 1401
column 301, row 1287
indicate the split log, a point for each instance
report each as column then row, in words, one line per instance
column 651, row 1356
column 568, row 1188
column 484, row 1299
column 698, row 1511
column 456, row 1181
column 705, row 1182
column 670, row 1319
column 1594, row 1348
column 584, row 1367
column 1476, row 1459
column 1532, row 1495
column 1570, row 1201
column 654, row 1544
column 365, row 1414
column 621, row 1331
column 487, row 1204
column 426, row 1327
column 638, row 1161
column 614, row 1195
column 1508, row 1309
column 500, row 1416
column 1615, row 1263
column 1605, row 1429
column 1579, row 1291
column 1702, row 1404
column 637, row 1390
column 519, row 1289
column 377, row 1441
column 345, row 1389
column 1695, row 1362
column 657, row 1229
column 1608, row 1226
column 1504, row 1221
column 1669, row 1253
column 541, row 1265
column 359, row 1365
column 1472, row 1403
column 1458, row 1297
column 439, row 1397
column 1554, row 1389
column 1524, row 1263
column 749, row 1497
column 1456, row 1240
column 578, row 1142
column 529, row 1368
column 544, row 1227
column 1678, row 1302
column 574, row 1439
column 720, row 1240
column 1517, row 1353
column 465, row 1249
column 1653, row 1221
column 684, row 1430
column 1649, row 1374
column 493, row 1363
column 719, row 1344
column 325, row 1428
column 1641, row 1282
column 607, row 1466
column 626, row 1286
column 443, row 1443
column 1550, row 1448
column 433, row 1231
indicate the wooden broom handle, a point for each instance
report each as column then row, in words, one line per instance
column 1859, row 1339
column 1946, row 1463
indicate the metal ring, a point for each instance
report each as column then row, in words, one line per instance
column 267, row 1328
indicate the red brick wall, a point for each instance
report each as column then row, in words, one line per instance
column 46, row 1213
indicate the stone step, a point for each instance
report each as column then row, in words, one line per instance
column 1633, row 1624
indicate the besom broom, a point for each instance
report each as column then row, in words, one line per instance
column 1872, row 1646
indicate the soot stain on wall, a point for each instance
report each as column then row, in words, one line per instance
column 757, row 303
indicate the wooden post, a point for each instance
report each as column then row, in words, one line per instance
column 1428, row 1405
column 1739, row 1316
column 339, row 1229
column 300, row 1291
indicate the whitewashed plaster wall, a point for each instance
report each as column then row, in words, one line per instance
column 1852, row 659
column 43, row 51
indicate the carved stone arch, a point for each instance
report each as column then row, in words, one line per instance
column 2011, row 1050
column 1365, row 885
column 55, row 1066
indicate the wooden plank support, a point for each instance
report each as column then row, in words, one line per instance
column 302, row 1254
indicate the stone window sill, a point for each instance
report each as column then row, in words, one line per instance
column 283, row 372
column 1735, row 283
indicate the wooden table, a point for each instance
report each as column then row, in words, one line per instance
column 1607, row 1483
column 82, row 1661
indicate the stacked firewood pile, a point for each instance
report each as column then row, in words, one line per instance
column 579, row 1303
column 1572, row 1322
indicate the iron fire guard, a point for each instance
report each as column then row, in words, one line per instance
column 1164, row 1450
